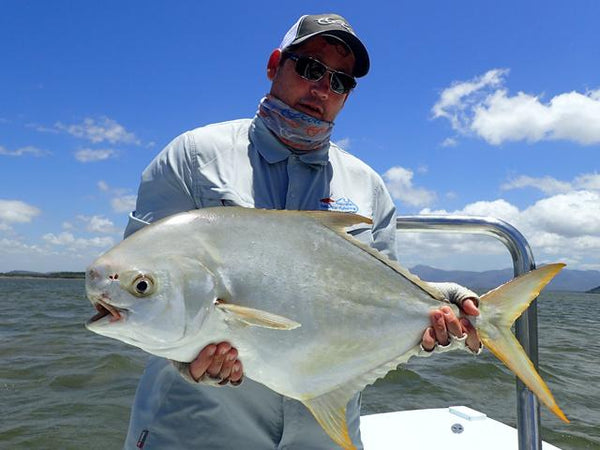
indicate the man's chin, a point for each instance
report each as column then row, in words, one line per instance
column 312, row 112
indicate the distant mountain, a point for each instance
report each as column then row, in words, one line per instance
column 596, row 290
column 566, row 280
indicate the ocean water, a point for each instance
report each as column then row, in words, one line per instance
column 62, row 387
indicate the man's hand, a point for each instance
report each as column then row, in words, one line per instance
column 445, row 323
column 219, row 362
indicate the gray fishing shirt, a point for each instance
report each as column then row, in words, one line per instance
column 242, row 163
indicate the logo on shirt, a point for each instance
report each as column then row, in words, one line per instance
column 342, row 204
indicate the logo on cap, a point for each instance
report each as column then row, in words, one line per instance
column 332, row 21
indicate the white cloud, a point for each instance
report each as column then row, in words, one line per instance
column 54, row 253
column 23, row 151
column 589, row 181
column 121, row 200
column 575, row 214
column 545, row 184
column 455, row 101
column 100, row 130
column 550, row 185
column 103, row 186
column 562, row 227
column 449, row 142
column 399, row 183
column 90, row 155
column 16, row 211
column 484, row 107
column 42, row 128
column 98, row 224
column 498, row 208
column 66, row 239
column 123, row 204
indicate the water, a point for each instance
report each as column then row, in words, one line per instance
column 62, row 387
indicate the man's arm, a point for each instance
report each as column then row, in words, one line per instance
column 165, row 187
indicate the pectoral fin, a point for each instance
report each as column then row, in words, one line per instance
column 256, row 317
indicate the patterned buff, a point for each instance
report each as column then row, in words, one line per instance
column 294, row 128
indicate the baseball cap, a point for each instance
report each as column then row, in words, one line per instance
column 309, row 26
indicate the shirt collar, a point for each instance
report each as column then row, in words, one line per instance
column 274, row 151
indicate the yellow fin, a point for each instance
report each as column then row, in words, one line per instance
column 256, row 317
column 499, row 308
column 330, row 411
column 514, row 297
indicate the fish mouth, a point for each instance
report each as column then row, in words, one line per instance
column 104, row 310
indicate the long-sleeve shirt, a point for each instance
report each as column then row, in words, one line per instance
column 242, row 163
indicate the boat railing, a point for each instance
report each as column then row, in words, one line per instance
column 528, row 409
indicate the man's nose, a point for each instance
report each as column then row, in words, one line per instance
column 321, row 88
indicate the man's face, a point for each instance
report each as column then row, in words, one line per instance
column 311, row 97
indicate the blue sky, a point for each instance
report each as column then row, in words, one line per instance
column 471, row 107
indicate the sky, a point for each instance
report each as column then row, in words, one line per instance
column 470, row 107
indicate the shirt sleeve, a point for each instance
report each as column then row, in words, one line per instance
column 384, row 222
column 165, row 187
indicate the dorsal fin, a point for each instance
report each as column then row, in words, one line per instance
column 339, row 221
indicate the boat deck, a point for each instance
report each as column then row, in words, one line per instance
column 453, row 428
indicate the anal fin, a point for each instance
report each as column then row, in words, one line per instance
column 330, row 411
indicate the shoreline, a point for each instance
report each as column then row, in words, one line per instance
column 74, row 276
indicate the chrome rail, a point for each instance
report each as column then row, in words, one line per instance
column 528, row 408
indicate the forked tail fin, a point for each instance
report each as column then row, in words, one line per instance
column 499, row 309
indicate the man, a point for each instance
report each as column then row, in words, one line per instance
column 280, row 159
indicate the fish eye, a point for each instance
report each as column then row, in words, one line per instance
column 143, row 285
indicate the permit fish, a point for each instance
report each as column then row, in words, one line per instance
column 315, row 314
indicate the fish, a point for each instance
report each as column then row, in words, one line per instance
column 316, row 314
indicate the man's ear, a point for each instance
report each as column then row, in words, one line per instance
column 273, row 64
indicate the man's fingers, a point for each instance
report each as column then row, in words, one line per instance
column 237, row 372
column 428, row 341
column 204, row 359
column 211, row 360
column 438, row 323
column 473, row 341
column 227, row 366
column 452, row 323
column 468, row 307
column 218, row 359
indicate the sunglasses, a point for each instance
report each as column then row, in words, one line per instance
column 313, row 70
